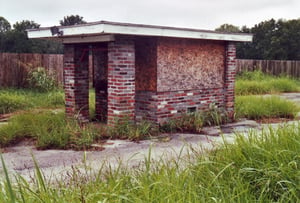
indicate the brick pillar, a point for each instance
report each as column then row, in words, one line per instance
column 76, row 82
column 230, row 78
column 100, row 60
column 121, row 80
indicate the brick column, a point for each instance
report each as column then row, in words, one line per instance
column 76, row 81
column 100, row 60
column 121, row 80
column 230, row 78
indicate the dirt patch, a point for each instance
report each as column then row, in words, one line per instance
column 275, row 120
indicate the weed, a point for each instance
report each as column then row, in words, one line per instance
column 215, row 115
column 256, row 82
column 263, row 167
column 258, row 107
column 40, row 80
column 10, row 103
column 126, row 129
column 12, row 100
column 48, row 129
column 193, row 122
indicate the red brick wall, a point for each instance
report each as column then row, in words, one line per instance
column 121, row 80
column 217, row 70
column 76, row 82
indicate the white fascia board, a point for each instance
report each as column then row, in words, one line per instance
column 115, row 28
column 180, row 33
column 67, row 31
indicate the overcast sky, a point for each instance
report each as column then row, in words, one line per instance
column 202, row 14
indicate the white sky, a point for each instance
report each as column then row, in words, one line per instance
column 201, row 14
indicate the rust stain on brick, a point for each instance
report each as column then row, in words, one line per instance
column 185, row 64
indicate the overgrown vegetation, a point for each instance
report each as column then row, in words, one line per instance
column 261, row 168
column 260, row 107
column 256, row 82
column 12, row 100
column 193, row 122
column 49, row 129
column 39, row 80
column 126, row 129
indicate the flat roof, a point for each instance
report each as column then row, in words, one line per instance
column 106, row 28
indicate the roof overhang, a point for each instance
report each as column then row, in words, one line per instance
column 104, row 31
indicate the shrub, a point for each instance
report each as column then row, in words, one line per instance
column 259, row 107
column 39, row 80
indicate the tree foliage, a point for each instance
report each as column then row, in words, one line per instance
column 16, row 40
column 228, row 28
column 4, row 25
column 72, row 20
column 272, row 40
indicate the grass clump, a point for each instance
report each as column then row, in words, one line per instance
column 126, row 129
column 10, row 103
column 261, row 168
column 193, row 122
column 260, row 107
column 256, row 82
column 48, row 130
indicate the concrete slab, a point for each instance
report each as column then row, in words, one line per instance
column 56, row 163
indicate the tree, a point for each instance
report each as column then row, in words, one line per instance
column 16, row 40
column 25, row 24
column 273, row 40
column 228, row 28
column 4, row 25
column 72, row 20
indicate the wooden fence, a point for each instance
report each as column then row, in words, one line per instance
column 15, row 67
column 274, row 67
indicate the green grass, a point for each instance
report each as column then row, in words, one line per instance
column 260, row 107
column 12, row 100
column 194, row 122
column 261, row 168
column 253, row 83
column 48, row 130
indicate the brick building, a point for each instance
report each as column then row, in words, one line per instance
column 145, row 72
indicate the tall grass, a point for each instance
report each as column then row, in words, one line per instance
column 23, row 99
column 260, row 168
column 257, row 82
column 259, row 107
column 49, row 129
